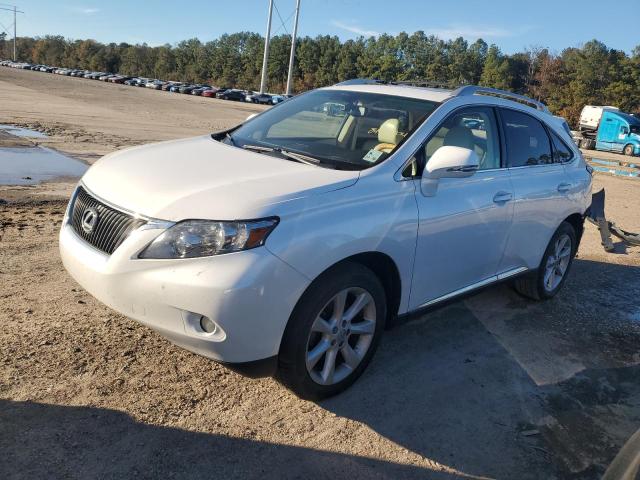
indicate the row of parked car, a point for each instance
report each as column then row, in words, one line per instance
column 200, row 89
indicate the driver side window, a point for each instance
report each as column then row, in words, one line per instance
column 474, row 128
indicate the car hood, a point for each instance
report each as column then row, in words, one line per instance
column 203, row 178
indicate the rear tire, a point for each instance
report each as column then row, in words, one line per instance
column 587, row 143
column 547, row 280
column 333, row 332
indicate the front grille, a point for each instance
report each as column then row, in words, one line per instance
column 111, row 227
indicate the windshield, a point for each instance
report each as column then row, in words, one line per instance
column 341, row 129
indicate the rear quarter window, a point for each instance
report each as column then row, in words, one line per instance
column 561, row 153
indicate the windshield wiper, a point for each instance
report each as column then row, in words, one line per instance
column 301, row 157
column 298, row 157
column 257, row 148
column 230, row 138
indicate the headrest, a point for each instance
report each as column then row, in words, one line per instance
column 459, row 137
column 388, row 131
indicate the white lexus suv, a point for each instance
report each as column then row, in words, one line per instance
column 285, row 245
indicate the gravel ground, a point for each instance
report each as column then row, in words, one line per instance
column 492, row 386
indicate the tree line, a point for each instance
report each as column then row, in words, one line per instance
column 565, row 81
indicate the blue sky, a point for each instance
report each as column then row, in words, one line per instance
column 512, row 25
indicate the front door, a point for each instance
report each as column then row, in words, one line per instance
column 463, row 229
column 607, row 133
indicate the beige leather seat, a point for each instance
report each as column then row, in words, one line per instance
column 388, row 135
column 459, row 137
column 463, row 137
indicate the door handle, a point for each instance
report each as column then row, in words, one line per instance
column 564, row 187
column 502, row 197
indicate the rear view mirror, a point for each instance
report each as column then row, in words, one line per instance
column 447, row 162
column 332, row 109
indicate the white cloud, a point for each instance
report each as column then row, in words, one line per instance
column 355, row 29
column 85, row 10
column 446, row 32
column 475, row 31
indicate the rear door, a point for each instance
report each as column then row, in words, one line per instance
column 541, row 189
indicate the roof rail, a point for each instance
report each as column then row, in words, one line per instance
column 494, row 92
column 406, row 83
column 429, row 84
column 361, row 81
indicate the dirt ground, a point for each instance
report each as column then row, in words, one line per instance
column 492, row 386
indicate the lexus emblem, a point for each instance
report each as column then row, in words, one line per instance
column 89, row 220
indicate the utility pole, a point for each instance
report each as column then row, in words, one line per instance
column 292, row 57
column 15, row 11
column 265, row 60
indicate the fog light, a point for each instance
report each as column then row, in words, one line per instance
column 207, row 324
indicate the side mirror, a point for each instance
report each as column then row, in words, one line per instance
column 447, row 162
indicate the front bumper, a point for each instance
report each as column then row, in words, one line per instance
column 249, row 295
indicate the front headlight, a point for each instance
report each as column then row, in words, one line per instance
column 203, row 238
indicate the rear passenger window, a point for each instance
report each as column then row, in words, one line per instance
column 561, row 153
column 527, row 140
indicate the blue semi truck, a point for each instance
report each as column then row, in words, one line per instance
column 610, row 130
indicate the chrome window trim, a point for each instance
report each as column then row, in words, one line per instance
column 547, row 165
column 397, row 176
column 548, row 128
column 570, row 147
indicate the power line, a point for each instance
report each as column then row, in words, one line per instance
column 280, row 17
column 282, row 25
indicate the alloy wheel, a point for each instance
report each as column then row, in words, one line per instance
column 340, row 336
column 557, row 263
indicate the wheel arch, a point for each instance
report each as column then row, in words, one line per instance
column 577, row 222
column 387, row 272
column 384, row 267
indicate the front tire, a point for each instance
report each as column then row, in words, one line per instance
column 333, row 332
column 628, row 150
column 554, row 268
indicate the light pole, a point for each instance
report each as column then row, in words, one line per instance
column 265, row 60
column 15, row 11
column 292, row 57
